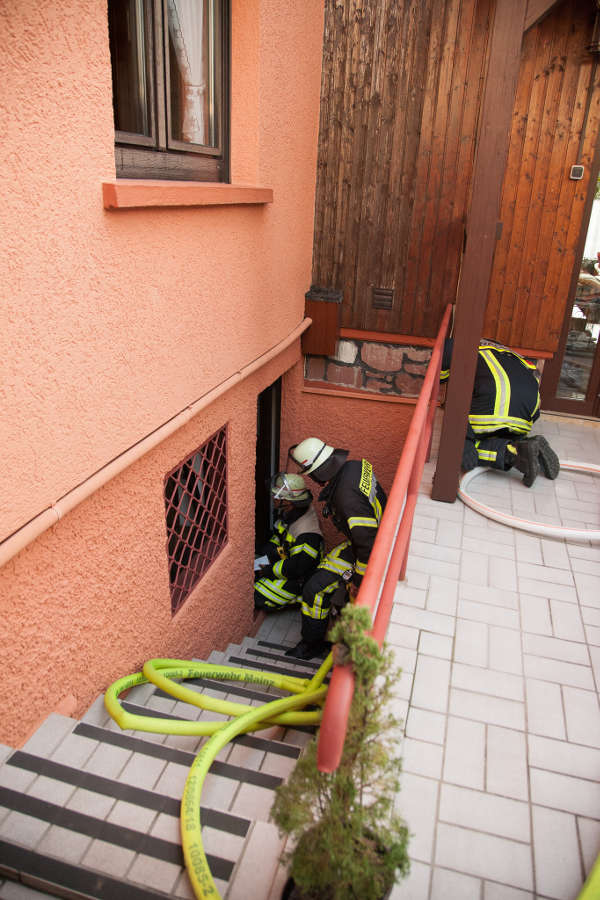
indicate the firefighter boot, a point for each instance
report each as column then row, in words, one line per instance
column 549, row 461
column 527, row 461
column 470, row 459
column 308, row 649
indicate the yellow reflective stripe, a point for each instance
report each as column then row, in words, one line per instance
column 378, row 511
column 494, row 372
column 337, row 566
column 333, row 563
column 277, row 570
column 315, row 610
column 273, row 590
column 444, row 374
column 511, row 448
column 487, row 454
column 502, row 400
column 304, row 548
column 508, row 350
column 362, row 521
column 488, row 423
column 360, row 567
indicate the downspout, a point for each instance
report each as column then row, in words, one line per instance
column 25, row 535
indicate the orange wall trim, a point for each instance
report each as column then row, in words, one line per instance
column 17, row 541
column 125, row 193
column 323, row 387
column 358, row 335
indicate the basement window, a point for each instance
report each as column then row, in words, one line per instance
column 196, row 515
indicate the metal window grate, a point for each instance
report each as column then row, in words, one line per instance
column 196, row 514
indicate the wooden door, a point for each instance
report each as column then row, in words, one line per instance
column 556, row 124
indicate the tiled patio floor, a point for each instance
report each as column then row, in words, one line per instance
column 498, row 634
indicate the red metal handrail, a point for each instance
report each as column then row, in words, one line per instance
column 387, row 562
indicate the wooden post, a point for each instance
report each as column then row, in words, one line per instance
column 482, row 229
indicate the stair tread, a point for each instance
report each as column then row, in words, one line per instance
column 55, row 873
column 92, row 811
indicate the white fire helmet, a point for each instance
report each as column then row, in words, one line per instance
column 289, row 486
column 310, row 453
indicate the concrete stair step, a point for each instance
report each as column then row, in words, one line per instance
column 270, row 657
column 282, row 628
column 90, row 811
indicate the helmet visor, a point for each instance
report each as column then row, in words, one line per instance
column 292, row 460
column 280, row 486
column 309, row 464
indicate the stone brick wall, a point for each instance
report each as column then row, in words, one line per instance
column 372, row 367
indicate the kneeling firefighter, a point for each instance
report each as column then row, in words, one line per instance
column 294, row 549
column 504, row 405
column 355, row 501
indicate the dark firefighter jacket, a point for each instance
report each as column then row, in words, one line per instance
column 355, row 500
column 505, row 391
column 295, row 548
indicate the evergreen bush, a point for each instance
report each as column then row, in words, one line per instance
column 349, row 843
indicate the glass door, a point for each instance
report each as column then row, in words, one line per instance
column 571, row 380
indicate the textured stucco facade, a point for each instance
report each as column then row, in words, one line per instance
column 115, row 321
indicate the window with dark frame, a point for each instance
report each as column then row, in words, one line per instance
column 196, row 515
column 170, row 61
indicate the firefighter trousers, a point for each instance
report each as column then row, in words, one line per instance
column 333, row 571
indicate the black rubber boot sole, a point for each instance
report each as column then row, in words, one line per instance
column 549, row 461
column 527, row 461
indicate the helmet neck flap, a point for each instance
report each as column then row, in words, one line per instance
column 329, row 469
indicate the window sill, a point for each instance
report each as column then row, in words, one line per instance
column 123, row 193
column 328, row 389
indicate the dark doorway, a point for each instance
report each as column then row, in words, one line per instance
column 268, row 418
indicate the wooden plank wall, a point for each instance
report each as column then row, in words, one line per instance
column 556, row 124
column 400, row 96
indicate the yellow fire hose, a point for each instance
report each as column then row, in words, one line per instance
column 286, row 711
column 591, row 887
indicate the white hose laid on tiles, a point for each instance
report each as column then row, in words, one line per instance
column 556, row 531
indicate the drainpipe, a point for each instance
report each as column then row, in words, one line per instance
column 25, row 535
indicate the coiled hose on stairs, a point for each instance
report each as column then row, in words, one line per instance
column 167, row 674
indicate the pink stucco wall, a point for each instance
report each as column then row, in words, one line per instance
column 89, row 601
column 113, row 322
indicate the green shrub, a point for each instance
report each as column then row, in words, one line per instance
column 349, row 842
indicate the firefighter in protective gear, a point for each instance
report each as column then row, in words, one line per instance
column 355, row 501
column 294, row 549
column 504, row 406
